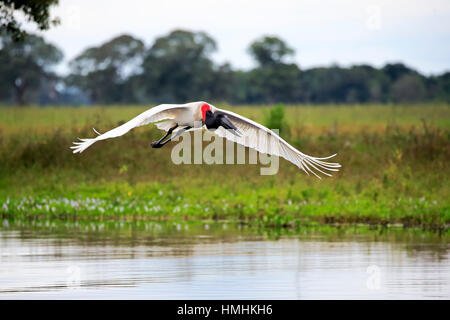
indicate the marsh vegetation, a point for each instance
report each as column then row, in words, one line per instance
column 394, row 159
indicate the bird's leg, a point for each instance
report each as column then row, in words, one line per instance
column 158, row 144
column 180, row 132
column 176, row 135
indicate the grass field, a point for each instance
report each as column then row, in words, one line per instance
column 395, row 169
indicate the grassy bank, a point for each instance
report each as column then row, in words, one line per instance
column 395, row 170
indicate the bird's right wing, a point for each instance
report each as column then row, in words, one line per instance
column 158, row 113
column 256, row 136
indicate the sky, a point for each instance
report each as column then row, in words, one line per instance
column 322, row 33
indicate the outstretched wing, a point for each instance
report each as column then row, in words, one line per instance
column 158, row 113
column 260, row 138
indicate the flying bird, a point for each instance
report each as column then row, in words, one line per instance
column 176, row 119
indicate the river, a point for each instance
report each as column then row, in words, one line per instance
column 150, row 260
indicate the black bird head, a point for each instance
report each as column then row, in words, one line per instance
column 214, row 121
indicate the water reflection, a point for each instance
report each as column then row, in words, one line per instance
column 187, row 260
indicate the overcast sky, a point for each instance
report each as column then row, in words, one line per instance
column 321, row 32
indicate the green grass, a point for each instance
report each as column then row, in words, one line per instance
column 395, row 170
column 315, row 119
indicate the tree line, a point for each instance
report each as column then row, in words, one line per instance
column 177, row 67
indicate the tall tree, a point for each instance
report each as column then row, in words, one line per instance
column 103, row 71
column 273, row 80
column 270, row 50
column 439, row 88
column 24, row 65
column 178, row 67
column 407, row 85
column 408, row 88
column 396, row 70
column 37, row 11
column 359, row 83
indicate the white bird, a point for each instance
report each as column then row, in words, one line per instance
column 179, row 118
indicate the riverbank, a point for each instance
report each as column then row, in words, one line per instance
column 262, row 207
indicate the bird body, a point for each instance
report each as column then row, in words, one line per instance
column 179, row 118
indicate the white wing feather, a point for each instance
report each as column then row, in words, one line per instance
column 260, row 138
column 158, row 113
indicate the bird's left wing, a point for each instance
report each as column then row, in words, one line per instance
column 260, row 138
column 158, row 113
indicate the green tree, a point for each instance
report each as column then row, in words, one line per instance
column 396, row 70
column 273, row 80
column 24, row 66
column 103, row 71
column 37, row 11
column 270, row 50
column 440, row 88
column 178, row 67
column 360, row 83
column 223, row 84
column 406, row 84
column 408, row 88
column 274, row 83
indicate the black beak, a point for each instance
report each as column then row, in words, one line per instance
column 227, row 124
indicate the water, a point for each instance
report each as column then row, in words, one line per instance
column 219, row 261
